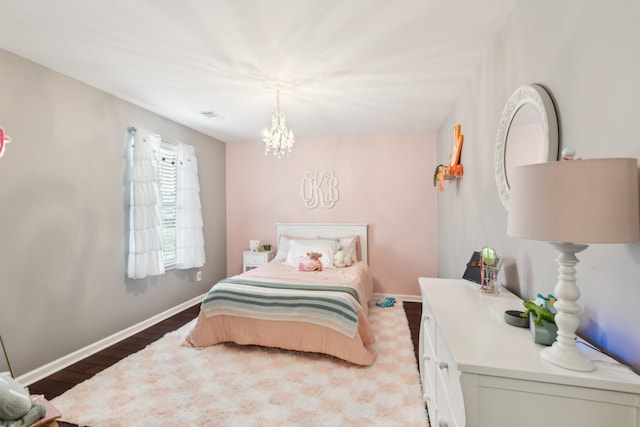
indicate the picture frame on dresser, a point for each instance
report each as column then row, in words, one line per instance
column 473, row 270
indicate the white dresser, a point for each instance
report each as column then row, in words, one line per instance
column 478, row 371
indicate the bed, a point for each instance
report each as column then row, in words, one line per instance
column 275, row 305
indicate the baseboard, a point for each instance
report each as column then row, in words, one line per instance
column 411, row 298
column 68, row 360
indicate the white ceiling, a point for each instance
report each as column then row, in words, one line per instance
column 348, row 67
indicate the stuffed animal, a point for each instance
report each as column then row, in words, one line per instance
column 341, row 259
column 310, row 264
column 16, row 407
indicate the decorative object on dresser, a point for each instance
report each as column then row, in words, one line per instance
column 253, row 259
column 478, row 371
column 516, row 318
column 254, row 245
column 541, row 322
column 473, row 270
column 527, row 133
column 483, row 269
column 489, row 271
column 571, row 203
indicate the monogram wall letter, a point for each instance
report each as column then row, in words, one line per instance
column 320, row 188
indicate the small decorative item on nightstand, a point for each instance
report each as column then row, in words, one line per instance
column 254, row 245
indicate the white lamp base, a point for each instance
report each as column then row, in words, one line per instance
column 567, row 357
column 564, row 352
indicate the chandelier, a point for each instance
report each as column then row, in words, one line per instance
column 279, row 138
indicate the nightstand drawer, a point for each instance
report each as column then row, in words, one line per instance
column 254, row 259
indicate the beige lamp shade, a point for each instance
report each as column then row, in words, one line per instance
column 575, row 201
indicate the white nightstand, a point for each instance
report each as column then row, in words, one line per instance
column 252, row 259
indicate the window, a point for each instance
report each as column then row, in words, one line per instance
column 167, row 168
column 165, row 219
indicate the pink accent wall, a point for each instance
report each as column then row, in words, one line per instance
column 385, row 181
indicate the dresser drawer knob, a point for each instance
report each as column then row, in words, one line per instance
column 443, row 364
column 443, row 423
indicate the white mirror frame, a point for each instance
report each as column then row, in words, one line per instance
column 537, row 97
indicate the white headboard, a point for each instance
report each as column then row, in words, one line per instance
column 326, row 230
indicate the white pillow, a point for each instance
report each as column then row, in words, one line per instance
column 349, row 245
column 283, row 249
column 283, row 246
column 299, row 248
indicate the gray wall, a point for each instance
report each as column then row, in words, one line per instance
column 586, row 54
column 63, row 280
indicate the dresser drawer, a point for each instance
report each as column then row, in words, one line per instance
column 448, row 373
column 428, row 323
column 428, row 375
column 444, row 414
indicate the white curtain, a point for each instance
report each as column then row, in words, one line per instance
column 145, row 240
column 189, row 234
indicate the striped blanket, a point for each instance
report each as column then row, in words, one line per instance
column 334, row 306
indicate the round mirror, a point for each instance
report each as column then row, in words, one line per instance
column 527, row 133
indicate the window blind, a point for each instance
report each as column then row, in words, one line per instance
column 167, row 167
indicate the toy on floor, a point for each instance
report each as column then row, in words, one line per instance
column 312, row 263
column 387, row 302
column 16, row 407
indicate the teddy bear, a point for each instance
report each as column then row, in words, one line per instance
column 310, row 264
column 341, row 259
column 16, row 407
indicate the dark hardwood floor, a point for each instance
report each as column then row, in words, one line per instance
column 413, row 310
column 61, row 381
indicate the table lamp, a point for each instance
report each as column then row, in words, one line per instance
column 570, row 204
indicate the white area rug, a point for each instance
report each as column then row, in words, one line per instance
column 169, row 385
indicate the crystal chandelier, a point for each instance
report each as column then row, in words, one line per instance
column 279, row 138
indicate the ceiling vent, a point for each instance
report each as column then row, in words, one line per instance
column 212, row 115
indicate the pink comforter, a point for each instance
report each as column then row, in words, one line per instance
column 292, row 335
